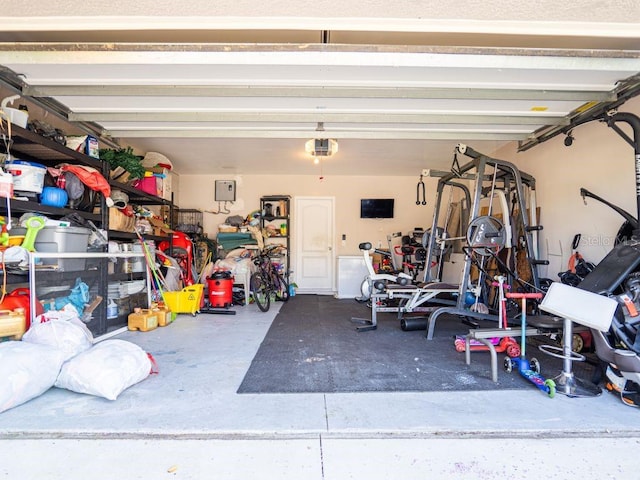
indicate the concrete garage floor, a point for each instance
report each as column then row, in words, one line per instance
column 188, row 422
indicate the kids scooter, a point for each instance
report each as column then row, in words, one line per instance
column 529, row 369
column 501, row 343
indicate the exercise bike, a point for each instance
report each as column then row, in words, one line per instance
column 375, row 281
column 374, row 289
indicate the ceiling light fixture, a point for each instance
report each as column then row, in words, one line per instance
column 321, row 147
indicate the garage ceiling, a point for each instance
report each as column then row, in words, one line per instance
column 245, row 103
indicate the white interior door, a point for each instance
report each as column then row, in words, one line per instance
column 314, row 244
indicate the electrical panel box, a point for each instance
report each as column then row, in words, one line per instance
column 225, row 191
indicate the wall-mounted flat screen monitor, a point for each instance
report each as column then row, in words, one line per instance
column 376, row 208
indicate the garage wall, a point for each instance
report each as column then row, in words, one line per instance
column 198, row 192
column 600, row 161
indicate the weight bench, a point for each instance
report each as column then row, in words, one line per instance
column 416, row 295
column 425, row 292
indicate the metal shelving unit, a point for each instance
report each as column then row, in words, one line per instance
column 276, row 212
column 31, row 146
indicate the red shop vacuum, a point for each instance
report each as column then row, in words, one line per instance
column 220, row 293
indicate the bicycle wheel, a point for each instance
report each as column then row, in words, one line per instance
column 201, row 255
column 281, row 287
column 260, row 290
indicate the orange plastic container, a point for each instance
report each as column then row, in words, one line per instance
column 187, row 300
column 165, row 317
column 143, row 319
column 13, row 323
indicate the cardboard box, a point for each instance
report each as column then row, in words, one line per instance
column 121, row 222
column 159, row 227
column 168, row 185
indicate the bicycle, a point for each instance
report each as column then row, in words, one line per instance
column 267, row 282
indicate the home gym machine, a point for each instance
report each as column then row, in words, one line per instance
column 617, row 276
column 501, row 185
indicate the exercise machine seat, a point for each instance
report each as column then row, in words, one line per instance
column 580, row 306
column 583, row 308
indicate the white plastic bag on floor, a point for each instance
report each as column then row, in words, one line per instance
column 67, row 333
column 27, row 370
column 106, row 369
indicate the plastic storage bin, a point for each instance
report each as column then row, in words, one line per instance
column 27, row 176
column 187, row 300
column 61, row 240
column 147, row 185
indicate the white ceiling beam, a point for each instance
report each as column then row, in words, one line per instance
column 316, row 92
column 17, row 54
column 172, row 116
column 380, row 134
column 387, row 24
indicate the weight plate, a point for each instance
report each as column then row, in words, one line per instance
column 486, row 235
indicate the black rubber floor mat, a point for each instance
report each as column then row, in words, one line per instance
column 312, row 346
